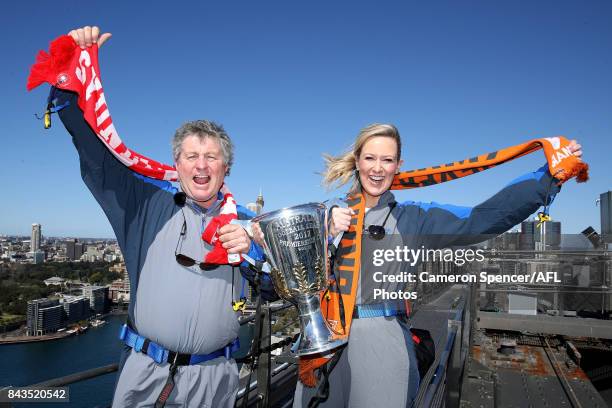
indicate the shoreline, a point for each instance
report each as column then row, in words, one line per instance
column 21, row 339
column 36, row 339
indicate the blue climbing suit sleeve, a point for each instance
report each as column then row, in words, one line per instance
column 453, row 225
column 123, row 195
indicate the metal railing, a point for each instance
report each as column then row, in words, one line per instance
column 441, row 386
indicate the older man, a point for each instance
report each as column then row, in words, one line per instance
column 182, row 326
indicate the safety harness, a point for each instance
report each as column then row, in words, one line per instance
column 162, row 355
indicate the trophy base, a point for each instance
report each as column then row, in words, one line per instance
column 320, row 349
column 317, row 337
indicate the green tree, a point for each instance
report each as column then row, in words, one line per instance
column 95, row 277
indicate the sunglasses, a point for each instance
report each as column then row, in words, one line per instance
column 184, row 260
column 377, row 232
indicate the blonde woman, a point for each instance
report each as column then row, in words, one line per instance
column 378, row 367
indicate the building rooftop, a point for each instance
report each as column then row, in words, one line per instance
column 55, row 280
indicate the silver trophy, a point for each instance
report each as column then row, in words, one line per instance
column 295, row 243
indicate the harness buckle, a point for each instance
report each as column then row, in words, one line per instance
column 542, row 218
column 123, row 332
column 138, row 344
column 156, row 353
column 388, row 309
column 239, row 305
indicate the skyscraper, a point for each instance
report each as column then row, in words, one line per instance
column 605, row 208
column 260, row 202
column 527, row 236
column 74, row 249
column 548, row 236
column 97, row 297
column 70, row 249
column 540, row 236
column 44, row 316
column 35, row 238
column 257, row 206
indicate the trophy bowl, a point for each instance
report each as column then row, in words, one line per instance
column 295, row 244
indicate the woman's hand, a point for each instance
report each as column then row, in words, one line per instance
column 575, row 148
column 340, row 220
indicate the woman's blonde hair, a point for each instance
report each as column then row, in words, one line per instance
column 339, row 170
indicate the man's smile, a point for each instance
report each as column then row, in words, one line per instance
column 201, row 180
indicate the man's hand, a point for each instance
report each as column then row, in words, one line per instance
column 340, row 220
column 235, row 239
column 87, row 36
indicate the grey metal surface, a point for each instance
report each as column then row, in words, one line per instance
column 264, row 360
column 538, row 373
column 435, row 316
column 508, row 388
column 567, row 326
column 478, row 386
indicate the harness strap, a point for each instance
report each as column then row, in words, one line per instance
column 168, row 387
column 385, row 309
column 162, row 355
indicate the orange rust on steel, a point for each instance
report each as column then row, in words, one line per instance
column 577, row 373
column 539, row 365
column 535, row 362
column 477, row 353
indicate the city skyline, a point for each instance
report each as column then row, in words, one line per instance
column 292, row 81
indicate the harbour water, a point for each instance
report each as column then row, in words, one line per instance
column 30, row 363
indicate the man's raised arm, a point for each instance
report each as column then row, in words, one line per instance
column 120, row 192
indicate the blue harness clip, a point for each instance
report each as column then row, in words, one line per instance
column 123, row 332
column 138, row 344
column 389, row 309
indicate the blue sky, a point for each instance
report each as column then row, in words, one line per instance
column 291, row 80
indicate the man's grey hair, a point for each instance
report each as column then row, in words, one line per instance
column 204, row 129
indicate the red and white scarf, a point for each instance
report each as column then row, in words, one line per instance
column 71, row 68
column 68, row 67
